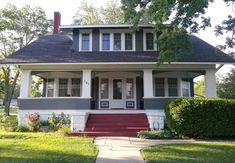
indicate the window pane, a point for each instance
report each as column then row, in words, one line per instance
column 159, row 87
column 128, row 41
column 85, row 41
column 50, row 87
column 172, row 87
column 105, row 41
column 63, row 87
column 104, row 88
column 129, row 88
column 75, row 88
column 185, row 88
column 117, row 89
column 117, row 41
column 149, row 41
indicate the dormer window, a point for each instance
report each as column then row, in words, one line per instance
column 85, row 41
column 128, row 41
column 106, row 41
column 117, row 41
column 149, row 40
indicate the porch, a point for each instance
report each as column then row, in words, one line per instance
column 80, row 92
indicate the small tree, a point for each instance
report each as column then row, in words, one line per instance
column 199, row 88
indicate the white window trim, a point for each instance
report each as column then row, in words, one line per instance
column 179, row 86
column 90, row 39
column 122, row 32
column 154, row 39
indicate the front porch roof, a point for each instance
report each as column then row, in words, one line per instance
column 58, row 49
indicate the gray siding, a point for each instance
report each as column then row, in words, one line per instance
column 95, row 40
column 139, row 40
column 57, row 103
column 75, row 39
column 155, row 103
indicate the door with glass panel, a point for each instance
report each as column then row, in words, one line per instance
column 117, row 99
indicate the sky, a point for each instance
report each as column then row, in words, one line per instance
column 218, row 11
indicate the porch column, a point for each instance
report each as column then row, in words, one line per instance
column 25, row 84
column 210, row 83
column 86, row 83
column 148, row 83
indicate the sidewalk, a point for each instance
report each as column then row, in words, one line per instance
column 126, row 149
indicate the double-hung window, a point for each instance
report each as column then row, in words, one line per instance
column 185, row 88
column 172, row 87
column 128, row 41
column 104, row 88
column 75, row 87
column 117, row 41
column 85, row 45
column 159, row 87
column 63, row 87
column 50, row 87
column 149, row 41
column 106, row 41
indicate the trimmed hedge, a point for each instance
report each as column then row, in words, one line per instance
column 160, row 134
column 201, row 117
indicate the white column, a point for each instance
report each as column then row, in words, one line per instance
column 148, row 83
column 210, row 83
column 25, row 84
column 86, row 84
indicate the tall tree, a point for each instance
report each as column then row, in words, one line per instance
column 18, row 27
column 226, row 88
column 228, row 27
column 111, row 13
column 179, row 15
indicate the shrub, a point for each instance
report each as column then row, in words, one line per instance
column 43, row 123
column 160, row 134
column 8, row 123
column 33, row 121
column 197, row 117
column 57, row 122
column 65, row 131
column 22, row 129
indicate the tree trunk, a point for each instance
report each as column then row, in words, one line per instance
column 8, row 88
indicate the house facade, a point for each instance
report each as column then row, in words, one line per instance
column 108, row 69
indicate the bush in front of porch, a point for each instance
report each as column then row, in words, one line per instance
column 201, row 117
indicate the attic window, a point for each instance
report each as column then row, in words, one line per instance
column 149, row 41
column 106, row 41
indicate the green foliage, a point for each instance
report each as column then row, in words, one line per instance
column 36, row 83
column 33, row 122
column 44, row 123
column 227, row 27
column 201, row 117
column 8, row 123
column 181, row 16
column 161, row 134
column 111, row 13
column 22, row 129
column 65, row 131
column 226, row 88
column 210, row 152
column 59, row 121
column 18, row 27
column 199, row 88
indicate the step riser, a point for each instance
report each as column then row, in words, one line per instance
column 114, row 125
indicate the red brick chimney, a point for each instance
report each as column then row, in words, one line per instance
column 57, row 19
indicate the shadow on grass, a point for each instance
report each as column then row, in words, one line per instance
column 194, row 152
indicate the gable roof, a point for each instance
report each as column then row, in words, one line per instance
column 57, row 48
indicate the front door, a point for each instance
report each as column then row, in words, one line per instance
column 117, row 99
column 117, row 93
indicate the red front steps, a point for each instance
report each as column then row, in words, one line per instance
column 115, row 125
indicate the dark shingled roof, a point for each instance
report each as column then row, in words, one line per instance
column 57, row 48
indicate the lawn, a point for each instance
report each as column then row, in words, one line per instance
column 210, row 152
column 45, row 148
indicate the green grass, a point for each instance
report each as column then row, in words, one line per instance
column 45, row 148
column 13, row 110
column 210, row 152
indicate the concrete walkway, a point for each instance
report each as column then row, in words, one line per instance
column 125, row 149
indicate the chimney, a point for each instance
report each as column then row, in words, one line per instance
column 57, row 19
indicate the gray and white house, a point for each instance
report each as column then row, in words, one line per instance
column 108, row 69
